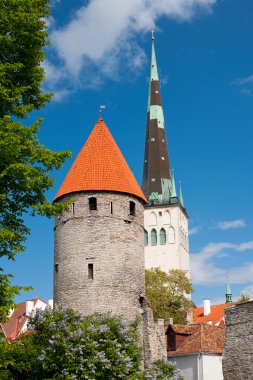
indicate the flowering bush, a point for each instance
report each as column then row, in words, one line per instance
column 94, row 347
column 66, row 345
column 162, row 370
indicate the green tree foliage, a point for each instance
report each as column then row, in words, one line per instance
column 66, row 345
column 244, row 297
column 25, row 164
column 167, row 294
column 7, row 292
column 23, row 35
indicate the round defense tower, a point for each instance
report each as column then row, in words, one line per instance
column 99, row 252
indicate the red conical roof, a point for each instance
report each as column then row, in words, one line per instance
column 100, row 165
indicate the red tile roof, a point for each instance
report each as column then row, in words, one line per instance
column 100, row 166
column 12, row 328
column 202, row 338
column 215, row 316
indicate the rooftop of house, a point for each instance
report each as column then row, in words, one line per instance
column 215, row 316
column 18, row 318
column 202, row 338
column 100, row 166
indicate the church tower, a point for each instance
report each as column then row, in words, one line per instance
column 99, row 253
column 165, row 217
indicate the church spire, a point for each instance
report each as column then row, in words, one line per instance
column 181, row 199
column 157, row 183
column 228, row 292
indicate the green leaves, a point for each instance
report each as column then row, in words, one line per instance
column 7, row 293
column 25, row 164
column 23, row 35
column 167, row 293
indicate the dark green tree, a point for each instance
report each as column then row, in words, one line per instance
column 167, row 294
column 25, row 164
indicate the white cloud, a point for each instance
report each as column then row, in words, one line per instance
column 100, row 39
column 205, row 270
column 194, row 230
column 245, row 85
column 248, row 290
column 242, row 81
column 229, row 224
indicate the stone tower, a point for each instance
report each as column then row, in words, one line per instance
column 99, row 253
column 165, row 217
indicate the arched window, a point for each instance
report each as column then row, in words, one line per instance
column 162, row 236
column 166, row 217
column 145, row 238
column 172, row 235
column 152, row 219
column 153, row 237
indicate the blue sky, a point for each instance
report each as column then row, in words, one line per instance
column 100, row 54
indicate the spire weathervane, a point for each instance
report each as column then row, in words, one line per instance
column 152, row 35
column 101, row 107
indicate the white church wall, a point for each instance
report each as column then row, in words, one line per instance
column 174, row 252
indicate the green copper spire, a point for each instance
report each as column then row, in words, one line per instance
column 154, row 70
column 228, row 292
column 173, row 186
column 181, row 200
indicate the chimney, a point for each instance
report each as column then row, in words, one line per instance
column 50, row 303
column 207, row 306
column 168, row 321
column 189, row 317
column 28, row 307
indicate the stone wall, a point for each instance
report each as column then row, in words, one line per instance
column 238, row 349
column 111, row 240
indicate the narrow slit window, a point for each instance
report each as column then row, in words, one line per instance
column 93, row 203
column 90, row 271
column 132, row 208
column 73, row 208
column 111, row 208
column 56, row 267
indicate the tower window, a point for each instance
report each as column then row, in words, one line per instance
column 73, row 208
column 153, row 237
column 132, row 208
column 162, row 236
column 56, row 267
column 111, row 208
column 145, row 238
column 93, row 203
column 90, row 271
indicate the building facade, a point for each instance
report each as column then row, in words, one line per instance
column 165, row 217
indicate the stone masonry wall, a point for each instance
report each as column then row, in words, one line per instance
column 112, row 242
column 238, row 349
